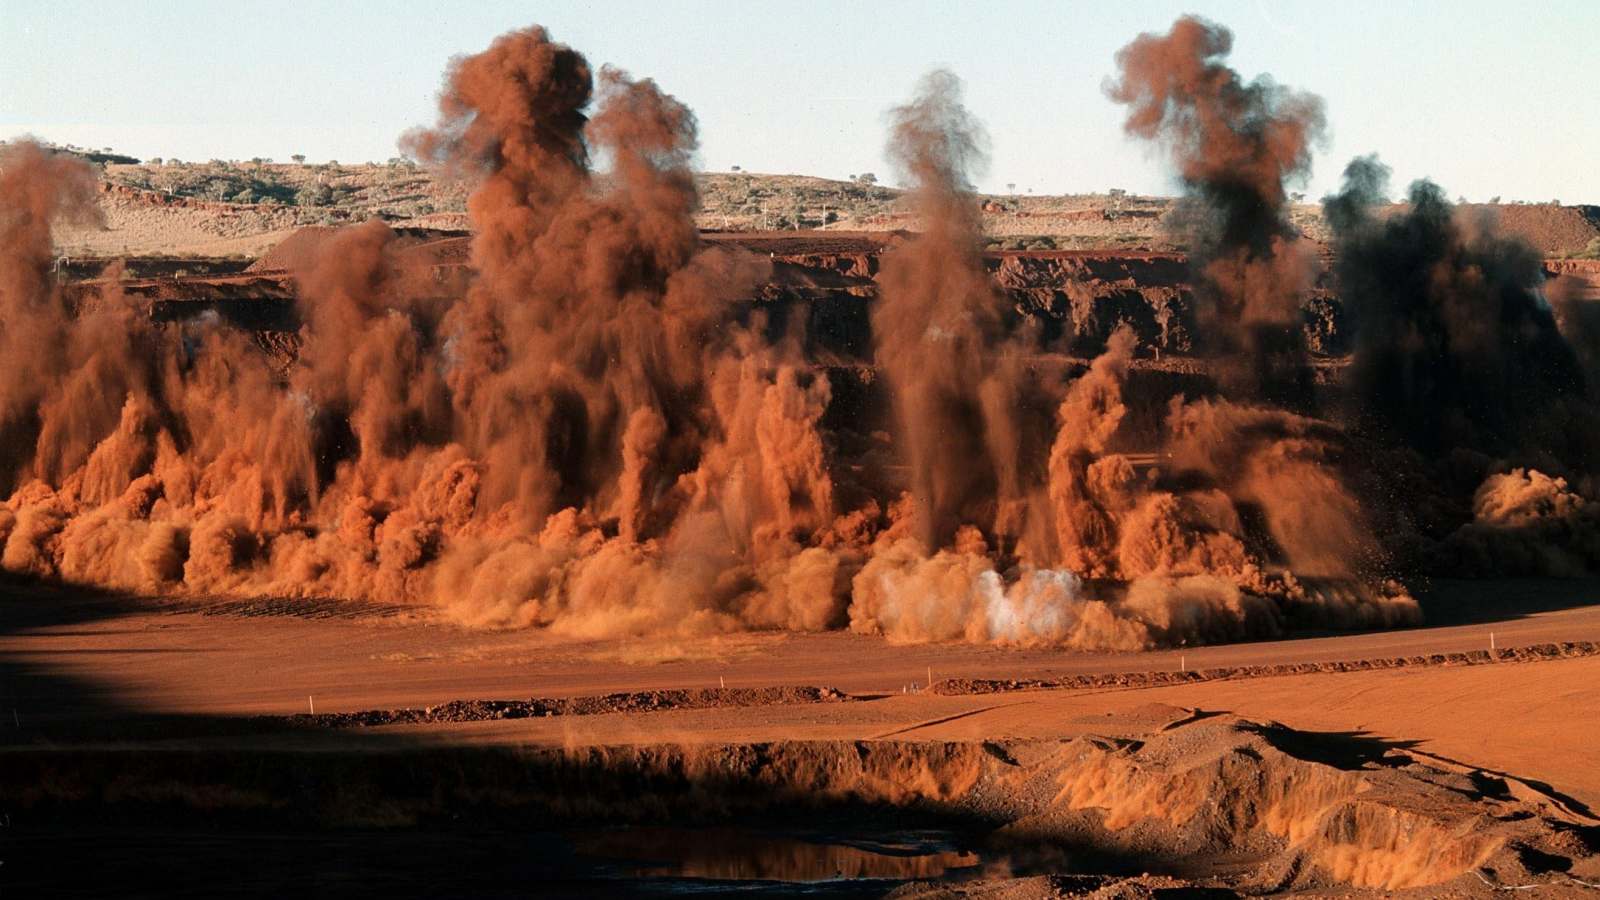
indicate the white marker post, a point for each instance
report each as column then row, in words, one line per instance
column 1491, row 642
column 1183, row 663
column 312, row 704
column 930, row 676
column 722, row 681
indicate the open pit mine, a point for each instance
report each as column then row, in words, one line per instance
column 588, row 552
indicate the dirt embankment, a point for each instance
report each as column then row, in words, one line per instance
column 626, row 702
column 1207, row 800
column 1547, row 227
column 1533, row 653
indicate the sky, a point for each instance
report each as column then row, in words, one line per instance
column 1488, row 99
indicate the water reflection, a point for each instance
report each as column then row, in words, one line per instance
column 731, row 854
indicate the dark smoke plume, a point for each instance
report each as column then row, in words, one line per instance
column 1455, row 344
column 1460, row 361
column 1235, row 145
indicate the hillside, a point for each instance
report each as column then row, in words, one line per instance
column 223, row 208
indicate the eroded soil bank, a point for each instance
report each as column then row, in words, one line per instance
column 1199, row 800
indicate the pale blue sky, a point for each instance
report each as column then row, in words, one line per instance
column 1485, row 97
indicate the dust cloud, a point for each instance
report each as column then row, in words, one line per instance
column 601, row 437
column 1012, row 539
column 583, row 441
column 1236, row 145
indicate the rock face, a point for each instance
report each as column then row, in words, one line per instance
column 1574, row 278
column 823, row 283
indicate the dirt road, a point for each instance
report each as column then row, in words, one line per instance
column 70, row 656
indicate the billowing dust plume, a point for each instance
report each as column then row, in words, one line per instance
column 584, row 441
column 601, row 437
column 1235, row 145
column 1005, row 527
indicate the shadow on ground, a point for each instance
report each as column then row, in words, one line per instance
column 99, row 798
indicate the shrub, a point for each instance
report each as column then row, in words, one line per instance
column 313, row 194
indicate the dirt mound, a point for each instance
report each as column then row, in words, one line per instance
column 139, row 221
column 301, row 249
column 1312, row 809
column 297, row 250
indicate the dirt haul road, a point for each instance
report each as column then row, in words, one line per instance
column 73, row 660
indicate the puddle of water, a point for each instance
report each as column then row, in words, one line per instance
column 795, row 857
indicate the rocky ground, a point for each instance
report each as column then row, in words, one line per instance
column 241, row 208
